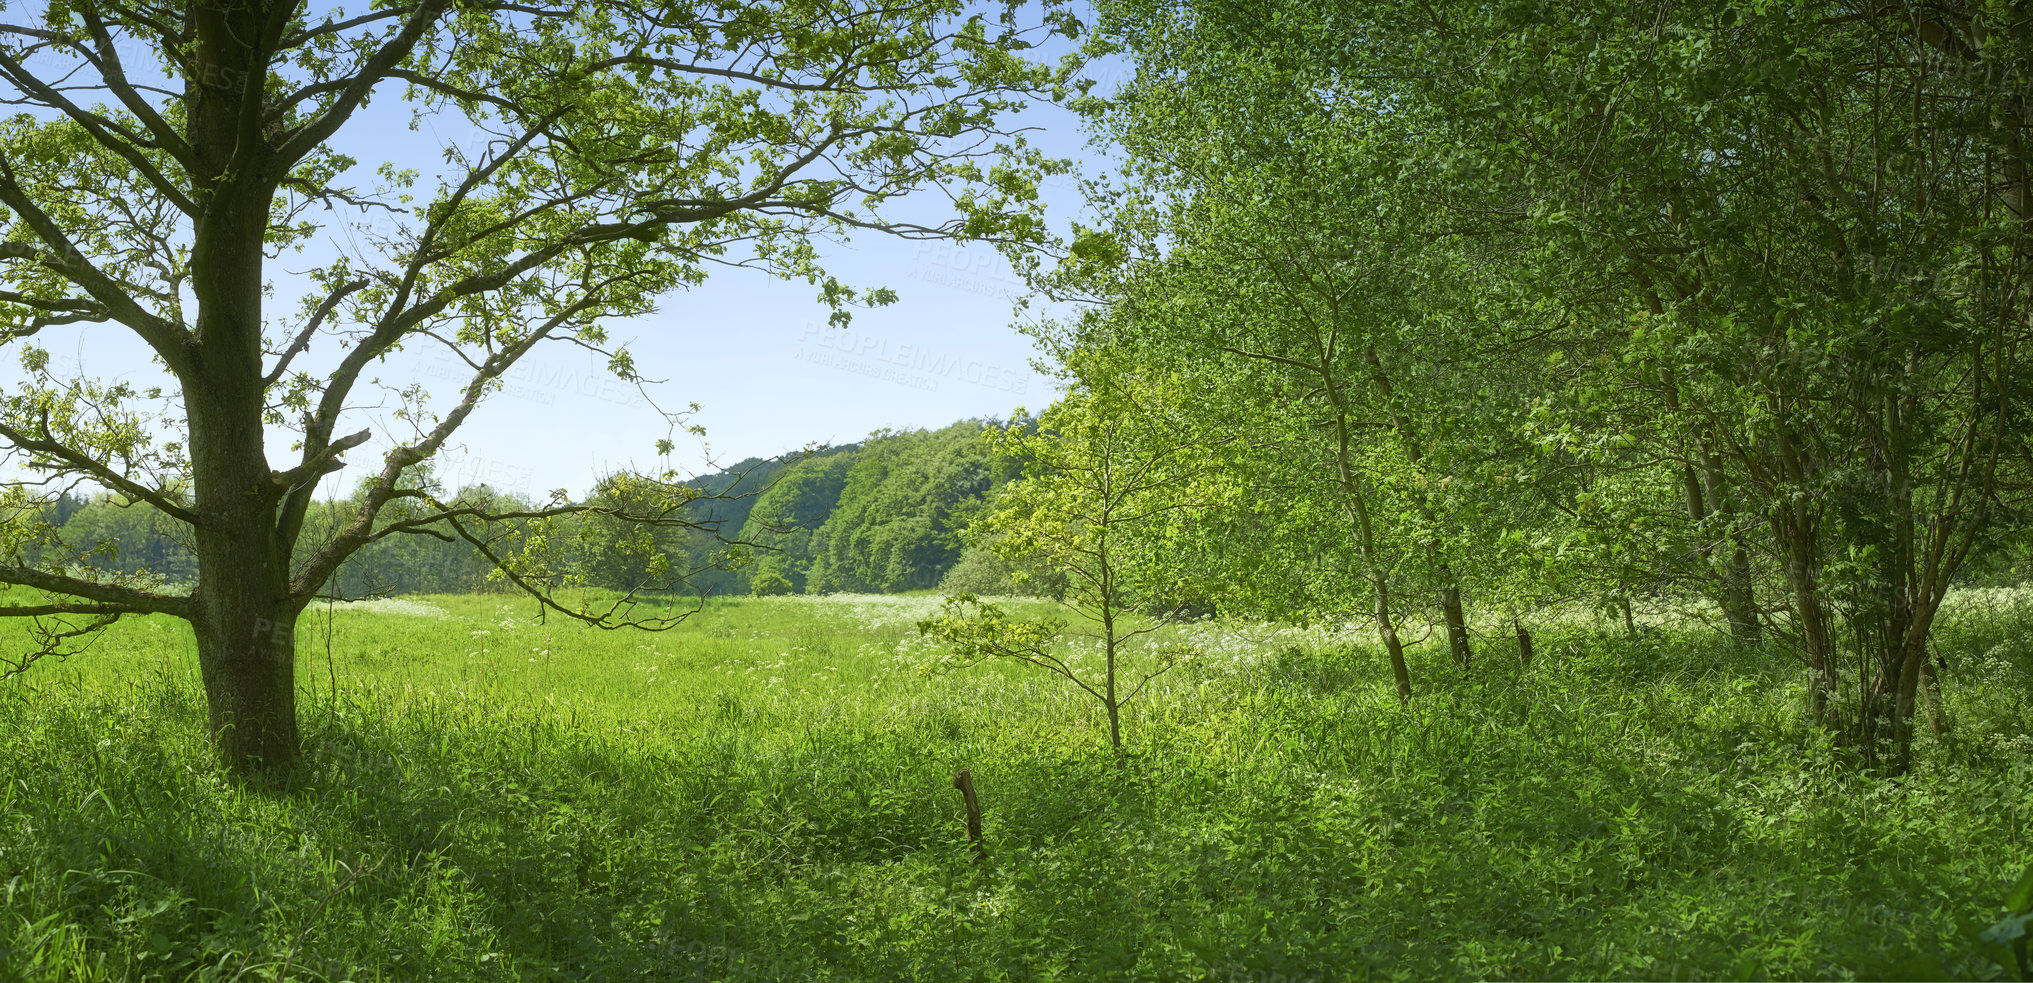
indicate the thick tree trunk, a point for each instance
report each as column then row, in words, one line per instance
column 244, row 616
column 248, row 659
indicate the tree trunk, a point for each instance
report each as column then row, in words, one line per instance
column 1457, row 621
column 1365, row 537
column 1930, row 689
column 1386, row 630
column 1797, row 534
column 1108, row 641
column 1524, row 643
column 244, row 618
column 1705, row 493
column 248, row 659
column 1795, row 529
column 1450, row 585
column 1114, row 705
column 1739, row 602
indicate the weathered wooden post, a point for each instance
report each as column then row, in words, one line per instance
column 964, row 781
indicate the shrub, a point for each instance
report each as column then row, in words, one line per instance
column 769, row 583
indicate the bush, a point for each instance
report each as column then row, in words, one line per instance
column 982, row 573
column 769, row 583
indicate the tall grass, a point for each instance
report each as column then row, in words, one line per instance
column 765, row 793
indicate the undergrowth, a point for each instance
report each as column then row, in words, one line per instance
column 765, row 794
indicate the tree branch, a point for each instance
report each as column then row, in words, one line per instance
column 165, row 337
column 79, row 461
column 113, row 594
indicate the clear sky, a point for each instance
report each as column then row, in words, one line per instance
column 769, row 375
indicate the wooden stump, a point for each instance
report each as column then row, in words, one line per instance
column 964, row 781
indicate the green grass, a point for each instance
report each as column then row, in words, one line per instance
column 765, row 794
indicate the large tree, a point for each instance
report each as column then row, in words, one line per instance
column 619, row 148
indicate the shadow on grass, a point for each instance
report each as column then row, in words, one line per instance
column 1549, row 824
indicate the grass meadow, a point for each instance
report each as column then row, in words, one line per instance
column 765, row 793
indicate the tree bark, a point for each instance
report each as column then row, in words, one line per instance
column 244, row 617
column 1797, row 535
column 964, row 781
column 1930, row 688
column 1379, row 578
column 1457, row 620
column 248, row 661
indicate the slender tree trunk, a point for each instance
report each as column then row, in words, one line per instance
column 1457, row 620
column 1701, row 480
column 1114, row 705
column 1930, row 683
column 1388, row 632
column 1379, row 578
column 1797, row 534
column 1902, row 646
column 1524, row 642
column 1450, row 586
column 1739, row 600
column 1739, row 597
column 1108, row 636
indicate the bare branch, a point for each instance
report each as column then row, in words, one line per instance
column 303, row 338
column 118, row 595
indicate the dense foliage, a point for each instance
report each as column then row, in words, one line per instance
column 1516, row 306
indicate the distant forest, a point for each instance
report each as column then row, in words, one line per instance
column 884, row 515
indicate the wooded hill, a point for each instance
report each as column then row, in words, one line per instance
column 883, row 515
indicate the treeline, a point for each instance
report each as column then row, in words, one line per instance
column 1500, row 308
column 883, row 515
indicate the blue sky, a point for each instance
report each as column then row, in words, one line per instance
column 768, row 372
